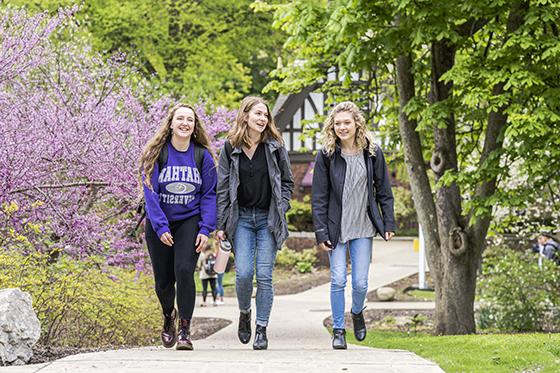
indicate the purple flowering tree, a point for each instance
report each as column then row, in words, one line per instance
column 72, row 126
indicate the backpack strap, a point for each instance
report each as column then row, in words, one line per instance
column 326, row 159
column 162, row 157
column 199, row 156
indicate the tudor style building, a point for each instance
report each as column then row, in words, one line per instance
column 289, row 113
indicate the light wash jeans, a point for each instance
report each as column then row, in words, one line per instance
column 360, row 258
column 255, row 246
column 220, row 285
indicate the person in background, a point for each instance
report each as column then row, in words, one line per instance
column 220, row 288
column 207, row 274
column 178, row 175
column 547, row 247
column 351, row 201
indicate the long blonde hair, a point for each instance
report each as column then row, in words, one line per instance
column 239, row 132
column 152, row 149
column 364, row 138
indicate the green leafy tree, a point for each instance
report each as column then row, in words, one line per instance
column 213, row 50
column 470, row 92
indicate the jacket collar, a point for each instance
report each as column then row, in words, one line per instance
column 272, row 144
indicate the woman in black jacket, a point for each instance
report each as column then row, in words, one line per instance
column 352, row 202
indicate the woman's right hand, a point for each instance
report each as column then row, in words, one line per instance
column 167, row 239
column 221, row 235
column 325, row 246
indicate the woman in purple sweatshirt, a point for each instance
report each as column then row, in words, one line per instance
column 178, row 176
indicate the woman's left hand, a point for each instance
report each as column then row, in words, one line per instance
column 389, row 235
column 201, row 241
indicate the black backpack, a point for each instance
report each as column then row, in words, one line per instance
column 162, row 161
column 209, row 265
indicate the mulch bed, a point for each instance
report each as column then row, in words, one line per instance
column 391, row 320
column 294, row 282
column 201, row 328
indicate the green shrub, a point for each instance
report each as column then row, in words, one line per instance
column 299, row 216
column 405, row 213
column 84, row 303
column 303, row 261
column 516, row 295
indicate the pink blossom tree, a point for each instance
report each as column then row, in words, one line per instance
column 73, row 125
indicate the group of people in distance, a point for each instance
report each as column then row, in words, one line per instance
column 245, row 199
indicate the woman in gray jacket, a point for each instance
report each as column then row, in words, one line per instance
column 254, row 189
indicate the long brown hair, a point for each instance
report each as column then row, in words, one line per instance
column 152, row 149
column 239, row 132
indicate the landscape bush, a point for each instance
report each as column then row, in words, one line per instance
column 299, row 216
column 516, row 295
column 302, row 261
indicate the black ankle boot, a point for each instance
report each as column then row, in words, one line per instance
column 184, row 339
column 244, row 329
column 169, row 330
column 261, row 341
column 339, row 339
column 359, row 325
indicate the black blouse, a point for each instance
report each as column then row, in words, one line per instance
column 254, row 188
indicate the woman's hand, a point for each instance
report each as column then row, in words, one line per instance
column 167, row 239
column 325, row 246
column 201, row 241
column 389, row 235
column 221, row 235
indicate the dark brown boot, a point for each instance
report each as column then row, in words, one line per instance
column 184, row 340
column 169, row 331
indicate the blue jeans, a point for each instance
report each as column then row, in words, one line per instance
column 254, row 246
column 220, row 285
column 360, row 258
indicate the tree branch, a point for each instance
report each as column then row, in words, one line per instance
column 62, row 186
column 494, row 131
column 414, row 160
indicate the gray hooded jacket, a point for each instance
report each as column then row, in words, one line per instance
column 281, row 182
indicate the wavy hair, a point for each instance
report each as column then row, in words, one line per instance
column 163, row 134
column 364, row 138
column 239, row 132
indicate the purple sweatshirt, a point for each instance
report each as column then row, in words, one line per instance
column 180, row 191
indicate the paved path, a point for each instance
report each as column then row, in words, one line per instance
column 298, row 342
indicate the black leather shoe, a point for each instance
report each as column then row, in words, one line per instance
column 184, row 340
column 261, row 342
column 360, row 330
column 244, row 329
column 339, row 339
column 169, row 330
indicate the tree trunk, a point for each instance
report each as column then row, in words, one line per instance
column 454, row 249
column 456, row 282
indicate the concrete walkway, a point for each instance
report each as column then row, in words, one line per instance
column 298, row 342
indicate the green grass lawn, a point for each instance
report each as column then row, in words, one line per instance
column 423, row 294
column 476, row 353
column 229, row 281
